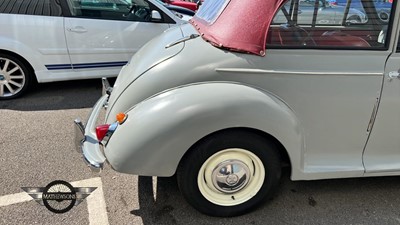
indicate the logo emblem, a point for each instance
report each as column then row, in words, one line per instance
column 59, row 196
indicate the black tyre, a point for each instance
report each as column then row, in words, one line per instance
column 15, row 77
column 229, row 173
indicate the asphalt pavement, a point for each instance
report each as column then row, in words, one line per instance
column 36, row 148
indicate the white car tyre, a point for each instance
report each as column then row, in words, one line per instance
column 229, row 173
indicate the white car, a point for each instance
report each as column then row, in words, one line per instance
column 73, row 39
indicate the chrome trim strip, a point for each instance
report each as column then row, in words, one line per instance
column 259, row 71
column 373, row 116
column 182, row 40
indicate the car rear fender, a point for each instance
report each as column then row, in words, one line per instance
column 159, row 130
column 22, row 50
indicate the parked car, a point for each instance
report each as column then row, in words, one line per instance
column 181, row 12
column 327, row 13
column 72, row 39
column 323, row 99
column 382, row 7
column 189, row 5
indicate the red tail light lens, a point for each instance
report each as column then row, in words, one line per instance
column 101, row 131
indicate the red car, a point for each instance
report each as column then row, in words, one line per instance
column 188, row 5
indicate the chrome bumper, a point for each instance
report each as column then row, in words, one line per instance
column 86, row 141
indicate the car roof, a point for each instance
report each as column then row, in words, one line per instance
column 242, row 25
column 29, row 7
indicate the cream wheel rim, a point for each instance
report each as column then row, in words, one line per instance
column 231, row 177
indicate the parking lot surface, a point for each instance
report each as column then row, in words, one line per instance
column 36, row 148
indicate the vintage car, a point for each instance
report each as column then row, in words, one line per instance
column 56, row 40
column 323, row 99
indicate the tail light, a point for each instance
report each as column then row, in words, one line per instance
column 104, row 131
column 101, row 131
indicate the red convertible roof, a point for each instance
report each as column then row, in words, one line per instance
column 236, row 24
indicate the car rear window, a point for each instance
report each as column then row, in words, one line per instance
column 316, row 24
column 211, row 9
column 31, row 7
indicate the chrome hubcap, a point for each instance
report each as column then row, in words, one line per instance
column 12, row 78
column 230, row 176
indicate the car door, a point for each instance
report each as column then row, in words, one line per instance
column 331, row 77
column 34, row 29
column 102, row 35
column 382, row 153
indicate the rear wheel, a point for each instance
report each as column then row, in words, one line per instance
column 15, row 77
column 229, row 173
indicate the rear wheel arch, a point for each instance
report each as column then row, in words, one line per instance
column 17, row 75
column 279, row 146
column 20, row 57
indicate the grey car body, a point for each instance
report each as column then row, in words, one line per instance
column 226, row 122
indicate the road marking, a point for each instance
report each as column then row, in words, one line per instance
column 96, row 203
column 14, row 199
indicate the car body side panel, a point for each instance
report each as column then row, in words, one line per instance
column 160, row 130
column 331, row 97
column 138, row 65
column 56, row 54
column 108, row 40
column 382, row 153
column 46, row 47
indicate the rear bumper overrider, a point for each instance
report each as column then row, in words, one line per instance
column 86, row 141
